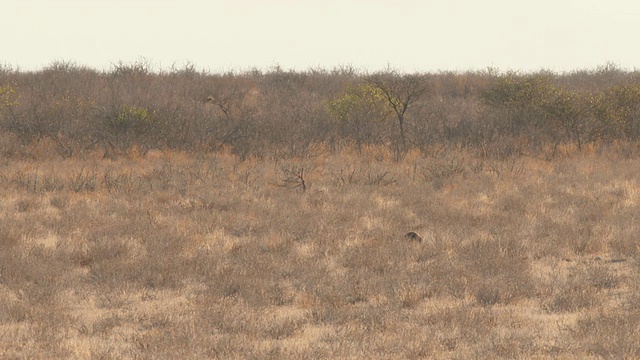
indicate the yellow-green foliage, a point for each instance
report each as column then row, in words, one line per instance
column 564, row 108
column 133, row 115
column 617, row 112
column 612, row 114
column 132, row 121
column 522, row 93
column 536, row 99
column 360, row 101
column 7, row 97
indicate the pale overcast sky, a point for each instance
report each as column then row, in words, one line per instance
column 408, row 35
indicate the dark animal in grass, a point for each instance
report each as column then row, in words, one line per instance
column 412, row 236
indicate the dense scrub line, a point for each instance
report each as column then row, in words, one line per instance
column 285, row 113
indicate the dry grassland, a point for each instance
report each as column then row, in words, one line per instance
column 191, row 256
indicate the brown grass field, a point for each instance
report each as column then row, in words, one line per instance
column 192, row 256
column 183, row 214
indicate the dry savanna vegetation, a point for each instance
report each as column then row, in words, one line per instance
column 256, row 215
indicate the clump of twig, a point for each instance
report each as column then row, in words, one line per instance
column 293, row 177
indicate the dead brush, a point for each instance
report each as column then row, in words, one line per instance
column 292, row 177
